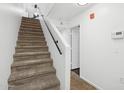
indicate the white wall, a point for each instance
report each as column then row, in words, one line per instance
column 64, row 29
column 65, row 24
column 102, row 58
column 46, row 8
column 66, row 33
column 10, row 17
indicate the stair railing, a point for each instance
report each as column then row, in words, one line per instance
column 61, row 59
column 55, row 41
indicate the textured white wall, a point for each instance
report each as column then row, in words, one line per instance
column 102, row 58
column 10, row 18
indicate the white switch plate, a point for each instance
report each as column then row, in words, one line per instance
column 122, row 80
column 117, row 35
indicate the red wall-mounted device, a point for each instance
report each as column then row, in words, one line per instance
column 92, row 16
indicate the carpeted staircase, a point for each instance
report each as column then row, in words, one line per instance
column 32, row 68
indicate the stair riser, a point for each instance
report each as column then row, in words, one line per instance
column 35, row 27
column 31, row 40
column 31, row 24
column 32, row 29
column 23, row 81
column 31, row 50
column 21, row 67
column 31, row 44
column 25, row 26
column 25, row 18
column 31, row 57
column 31, row 37
column 30, row 34
column 33, row 20
column 30, row 21
column 35, row 40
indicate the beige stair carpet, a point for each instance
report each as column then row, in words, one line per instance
column 32, row 68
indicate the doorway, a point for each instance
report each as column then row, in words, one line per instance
column 75, row 49
column 76, row 83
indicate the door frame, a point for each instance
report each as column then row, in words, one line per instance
column 78, row 44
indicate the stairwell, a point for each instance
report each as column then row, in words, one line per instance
column 32, row 68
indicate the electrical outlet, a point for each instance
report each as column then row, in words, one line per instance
column 122, row 80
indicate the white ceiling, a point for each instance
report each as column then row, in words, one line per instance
column 66, row 11
column 59, row 11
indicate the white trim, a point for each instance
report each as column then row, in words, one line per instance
column 91, row 83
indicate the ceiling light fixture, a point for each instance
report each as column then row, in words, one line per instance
column 81, row 4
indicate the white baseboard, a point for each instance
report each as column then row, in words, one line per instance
column 97, row 87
